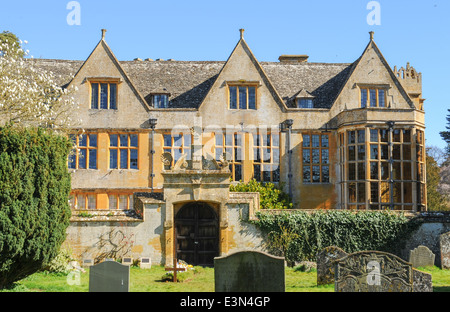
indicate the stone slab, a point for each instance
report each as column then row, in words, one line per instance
column 422, row 281
column 325, row 264
column 373, row 271
column 421, row 256
column 109, row 276
column 249, row 271
column 444, row 242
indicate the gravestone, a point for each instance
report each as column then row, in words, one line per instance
column 127, row 261
column 444, row 241
column 422, row 282
column 109, row 276
column 421, row 256
column 249, row 271
column 88, row 262
column 373, row 271
column 145, row 263
column 325, row 264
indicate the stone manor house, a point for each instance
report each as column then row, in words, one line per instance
column 160, row 141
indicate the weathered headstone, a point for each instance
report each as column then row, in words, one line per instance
column 325, row 264
column 421, row 256
column 373, row 271
column 444, row 241
column 422, row 282
column 109, row 276
column 249, row 271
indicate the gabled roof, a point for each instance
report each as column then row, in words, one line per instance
column 353, row 67
column 188, row 82
column 103, row 45
column 265, row 79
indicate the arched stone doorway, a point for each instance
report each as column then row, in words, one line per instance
column 197, row 234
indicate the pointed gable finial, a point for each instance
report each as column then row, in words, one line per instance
column 103, row 34
column 242, row 32
column 371, row 35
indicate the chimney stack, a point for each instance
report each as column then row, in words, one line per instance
column 293, row 58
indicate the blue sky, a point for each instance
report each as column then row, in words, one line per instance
column 327, row 30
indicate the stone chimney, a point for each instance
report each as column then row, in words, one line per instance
column 293, row 58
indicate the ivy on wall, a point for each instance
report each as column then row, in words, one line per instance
column 298, row 236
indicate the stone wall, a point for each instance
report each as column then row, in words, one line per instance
column 434, row 224
column 100, row 234
column 107, row 236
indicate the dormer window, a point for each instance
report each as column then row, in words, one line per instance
column 373, row 97
column 305, row 103
column 160, row 100
column 304, row 99
column 104, row 94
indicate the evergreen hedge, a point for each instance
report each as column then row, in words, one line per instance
column 34, row 192
column 298, row 236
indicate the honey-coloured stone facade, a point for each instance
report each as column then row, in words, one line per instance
column 325, row 154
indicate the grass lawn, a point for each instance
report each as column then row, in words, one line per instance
column 199, row 280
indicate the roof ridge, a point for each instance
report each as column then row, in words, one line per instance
column 197, row 61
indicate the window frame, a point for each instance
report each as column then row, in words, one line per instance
column 233, row 162
column 154, row 95
column 310, row 103
column 118, row 148
column 77, row 151
column 261, row 145
column 75, row 198
column 378, row 180
column 183, row 148
column 366, row 89
column 99, row 82
column 247, row 95
column 129, row 197
column 312, row 165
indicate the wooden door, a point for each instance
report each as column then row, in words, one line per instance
column 197, row 234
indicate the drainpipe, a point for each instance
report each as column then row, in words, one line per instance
column 288, row 124
column 152, row 122
column 391, row 164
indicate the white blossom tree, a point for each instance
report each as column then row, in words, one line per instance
column 29, row 95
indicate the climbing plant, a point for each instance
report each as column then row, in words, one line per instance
column 306, row 233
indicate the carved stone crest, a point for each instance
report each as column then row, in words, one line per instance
column 373, row 271
column 167, row 159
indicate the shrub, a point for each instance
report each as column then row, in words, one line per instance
column 306, row 233
column 34, row 200
column 60, row 264
column 306, row 266
column 271, row 196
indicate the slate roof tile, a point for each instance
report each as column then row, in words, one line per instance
column 188, row 82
